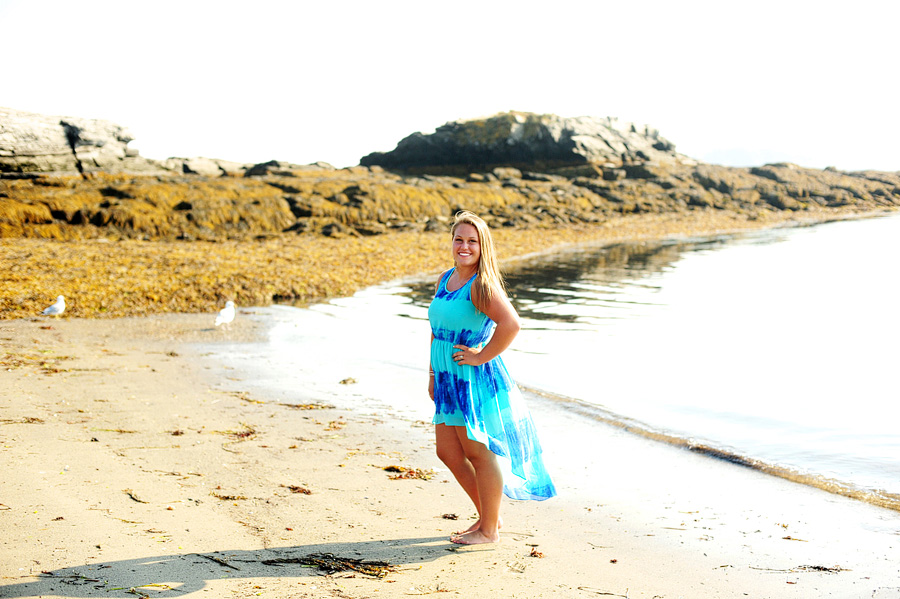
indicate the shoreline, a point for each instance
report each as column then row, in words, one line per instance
column 139, row 458
column 109, row 279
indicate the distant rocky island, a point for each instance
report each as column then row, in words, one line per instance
column 73, row 178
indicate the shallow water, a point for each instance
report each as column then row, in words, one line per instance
column 774, row 349
column 779, row 346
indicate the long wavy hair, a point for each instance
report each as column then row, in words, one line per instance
column 489, row 280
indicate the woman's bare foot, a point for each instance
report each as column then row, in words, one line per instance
column 476, row 526
column 475, row 537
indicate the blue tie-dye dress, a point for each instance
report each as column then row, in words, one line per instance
column 484, row 399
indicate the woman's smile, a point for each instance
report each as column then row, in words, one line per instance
column 466, row 248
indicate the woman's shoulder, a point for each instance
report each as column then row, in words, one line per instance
column 441, row 278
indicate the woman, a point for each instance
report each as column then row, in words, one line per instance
column 483, row 430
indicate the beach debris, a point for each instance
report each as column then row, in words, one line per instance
column 25, row 420
column 536, row 553
column 450, row 516
column 599, row 592
column 56, row 308
column 614, row 561
column 48, row 365
column 796, row 569
column 133, row 496
column 336, row 425
column 307, row 406
column 238, row 436
column 224, row 497
column 831, row 570
column 177, row 433
column 420, row 590
column 134, row 590
column 226, row 314
column 298, row 489
column 349, row 381
column 790, row 538
column 409, row 473
column 332, row 564
column 219, row 561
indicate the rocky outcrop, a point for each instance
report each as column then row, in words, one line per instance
column 569, row 177
column 361, row 201
column 536, row 142
column 36, row 143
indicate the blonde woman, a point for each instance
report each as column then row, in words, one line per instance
column 483, row 430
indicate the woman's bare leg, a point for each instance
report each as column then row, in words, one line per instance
column 450, row 452
column 489, row 486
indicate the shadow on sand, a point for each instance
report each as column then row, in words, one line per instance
column 180, row 574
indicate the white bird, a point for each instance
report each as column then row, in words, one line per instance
column 226, row 314
column 56, row 309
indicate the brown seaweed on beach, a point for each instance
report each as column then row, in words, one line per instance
column 132, row 494
column 228, row 497
column 598, row 592
column 248, row 433
column 306, row 406
column 409, row 473
column 25, row 420
column 332, row 564
column 47, row 365
column 218, row 561
column 298, row 489
column 831, row 570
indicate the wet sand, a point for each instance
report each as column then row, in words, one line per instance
column 137, row 464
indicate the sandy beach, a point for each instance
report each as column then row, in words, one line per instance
column 137, row 464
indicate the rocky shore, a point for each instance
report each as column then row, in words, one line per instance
column 75, row 180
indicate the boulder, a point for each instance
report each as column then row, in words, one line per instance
column 526, row 141
column 36, row 143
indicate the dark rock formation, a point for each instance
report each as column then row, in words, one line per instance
column 527, row 141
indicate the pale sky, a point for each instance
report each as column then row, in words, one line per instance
column 737, row 83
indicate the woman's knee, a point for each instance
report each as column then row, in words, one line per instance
column 450, row 456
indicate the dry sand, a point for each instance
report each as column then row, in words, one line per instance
column 130, row 470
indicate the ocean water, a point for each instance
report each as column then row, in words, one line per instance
column 777, row 349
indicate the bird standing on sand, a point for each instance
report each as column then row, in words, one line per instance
column 226, row 314
column 56, row 309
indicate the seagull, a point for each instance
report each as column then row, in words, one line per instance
column 56, row 309
column 226, row 314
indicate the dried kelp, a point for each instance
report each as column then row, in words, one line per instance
column 409, row 473
column 332, row 564
column 307, row 406
column 224, row 497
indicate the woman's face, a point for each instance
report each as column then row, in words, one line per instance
column 466, row 246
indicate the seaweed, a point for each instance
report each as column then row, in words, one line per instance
column 332, row 564
column 409, row 473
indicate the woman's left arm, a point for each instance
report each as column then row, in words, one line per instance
column 501, row 311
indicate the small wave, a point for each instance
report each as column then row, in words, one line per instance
column 876, row 497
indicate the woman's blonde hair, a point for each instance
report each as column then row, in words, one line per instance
column 489, row 280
